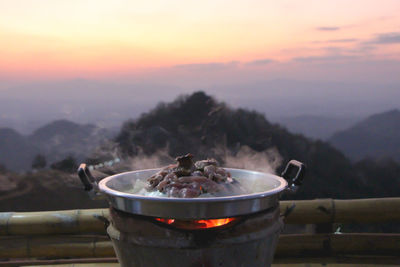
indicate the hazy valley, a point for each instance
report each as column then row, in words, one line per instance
column 194, row 123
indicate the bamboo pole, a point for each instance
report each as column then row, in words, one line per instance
column 339, row 248
column 314, row 262
column 303, row 245
column 376, row 210
column 349, row 260
column 305, row 211
column 82, row 262
column 54, row 222
column 297, row 212
column 325, row 248
column 372, row 210
column 336, row 262
column 55, row 247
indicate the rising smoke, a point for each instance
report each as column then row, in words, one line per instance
column 244, row 158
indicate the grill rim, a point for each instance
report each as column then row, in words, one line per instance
column 196, row 208
column 112, row 192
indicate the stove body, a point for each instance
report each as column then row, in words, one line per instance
column 141, row 241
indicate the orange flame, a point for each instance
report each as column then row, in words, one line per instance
column 196, row 224
column 168, row 221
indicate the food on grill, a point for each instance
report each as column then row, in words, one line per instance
column 187, row 179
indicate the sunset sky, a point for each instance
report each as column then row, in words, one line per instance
column 333, row 58
column 47, row 39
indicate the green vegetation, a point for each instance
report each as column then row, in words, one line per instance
column 39, row 162
column 68, row 165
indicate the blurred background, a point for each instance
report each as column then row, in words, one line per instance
column 133, row 84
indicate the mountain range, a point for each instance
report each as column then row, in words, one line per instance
column 376, row 137
column 201, row 125
column 55, row 141
column 108, row 104
column 317, row 127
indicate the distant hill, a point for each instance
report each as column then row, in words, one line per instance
column 201, row 125
column 16, row 152
column 55, row 141
column 63, row 138
column 376, row 137
column 316, row 127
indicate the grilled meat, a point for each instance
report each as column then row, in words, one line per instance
column 187, row 179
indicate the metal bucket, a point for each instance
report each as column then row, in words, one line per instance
column 145, row 243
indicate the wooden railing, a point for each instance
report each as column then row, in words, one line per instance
column 79, row 235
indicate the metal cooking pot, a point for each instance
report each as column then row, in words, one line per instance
column 265, row 195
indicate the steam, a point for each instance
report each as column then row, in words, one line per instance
column 241, row 158
column 156, row 160
column 246, row 158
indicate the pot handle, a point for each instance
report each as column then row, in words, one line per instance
column 87, row 178
column 90, row 183
column 297, row 170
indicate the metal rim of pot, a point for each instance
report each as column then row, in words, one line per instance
column 195, row 208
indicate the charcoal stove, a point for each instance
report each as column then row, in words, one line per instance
column 238, row 230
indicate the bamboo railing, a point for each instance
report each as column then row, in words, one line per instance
column 80, row 234
column 327, row 248
column 92, row 221
column 336, row 248
column 54, row 222
column 372, row 210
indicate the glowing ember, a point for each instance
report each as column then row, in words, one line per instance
column 215, row 222
column 169, row 221
column 196, row 224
